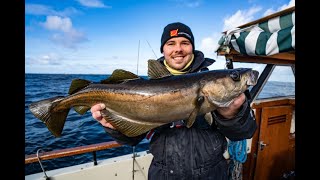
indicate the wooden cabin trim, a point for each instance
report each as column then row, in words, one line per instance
column 70, row 151
column 250, row 164
column 285, row 58
column 277, row 101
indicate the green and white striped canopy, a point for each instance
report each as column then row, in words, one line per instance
column 273, row 36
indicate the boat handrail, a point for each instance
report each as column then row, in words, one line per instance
column 71, row 151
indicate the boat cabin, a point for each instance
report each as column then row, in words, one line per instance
column 269, row 41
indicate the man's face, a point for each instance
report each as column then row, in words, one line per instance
column 177, row 52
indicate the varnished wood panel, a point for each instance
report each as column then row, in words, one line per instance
column 272, row 160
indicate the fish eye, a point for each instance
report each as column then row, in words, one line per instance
column 235, row 75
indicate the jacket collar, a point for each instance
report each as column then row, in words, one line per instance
column 198, row 63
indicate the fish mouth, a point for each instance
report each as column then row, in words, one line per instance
column 253, row 79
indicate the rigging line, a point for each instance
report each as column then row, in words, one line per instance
column 138, row 58
column 152, row 49
column 134, row 158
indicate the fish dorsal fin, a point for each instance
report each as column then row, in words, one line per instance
column 156, row 70
column 195, row 112
column 77, row 85
column 119, row 76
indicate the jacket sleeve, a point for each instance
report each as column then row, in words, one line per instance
column 123, row 139
column 242, row 126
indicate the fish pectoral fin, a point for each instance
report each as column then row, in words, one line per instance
column 81, row 109
column 77, row 85
column 156, row 70
column 192, row 117
column 126, row 126
column 195, row 112
column 119, row 76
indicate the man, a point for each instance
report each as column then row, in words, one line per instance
column 196, row 152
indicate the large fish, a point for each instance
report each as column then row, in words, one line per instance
column 135, row 105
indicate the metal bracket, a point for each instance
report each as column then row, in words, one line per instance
column 46, row 177
column 262, row 145
column 229, row 64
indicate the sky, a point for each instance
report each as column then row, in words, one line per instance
column 99, row 36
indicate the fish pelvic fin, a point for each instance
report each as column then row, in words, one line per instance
column 156, row 70
column 119, row 76
column 195, row 112
column 126, row 126
column 208, row 117
column 81, row 109
column 53, row 120
column 77, row 85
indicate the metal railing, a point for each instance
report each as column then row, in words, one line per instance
column 71, row 151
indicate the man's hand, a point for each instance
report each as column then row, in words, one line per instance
column 230, row 111
column 96, row 114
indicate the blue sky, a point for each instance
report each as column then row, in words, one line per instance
column 99, row 36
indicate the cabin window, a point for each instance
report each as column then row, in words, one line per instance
column 280, row 83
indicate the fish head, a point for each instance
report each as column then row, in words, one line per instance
column 222, row 86
column 246, row 76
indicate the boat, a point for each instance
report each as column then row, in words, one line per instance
column 270, row 152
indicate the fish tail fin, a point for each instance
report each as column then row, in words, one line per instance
column 53, row 120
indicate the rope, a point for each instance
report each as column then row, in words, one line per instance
column 238, row 150
column 235, row 170
column 238, row 155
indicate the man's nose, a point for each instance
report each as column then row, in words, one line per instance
column 177, row 48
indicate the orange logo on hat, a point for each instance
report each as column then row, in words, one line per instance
column 174, row 32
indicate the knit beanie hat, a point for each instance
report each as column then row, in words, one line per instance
column 176, row 29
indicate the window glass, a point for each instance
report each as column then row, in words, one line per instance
column 280, row 83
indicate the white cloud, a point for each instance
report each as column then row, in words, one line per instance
column 207, row 45
column 38, row 9
column 69, row 37
column 45, row 59
column 285, row 6
column 240, row 17
column 58, row 23
column 93, row 3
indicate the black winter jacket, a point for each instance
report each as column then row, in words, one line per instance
column 195, row 152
